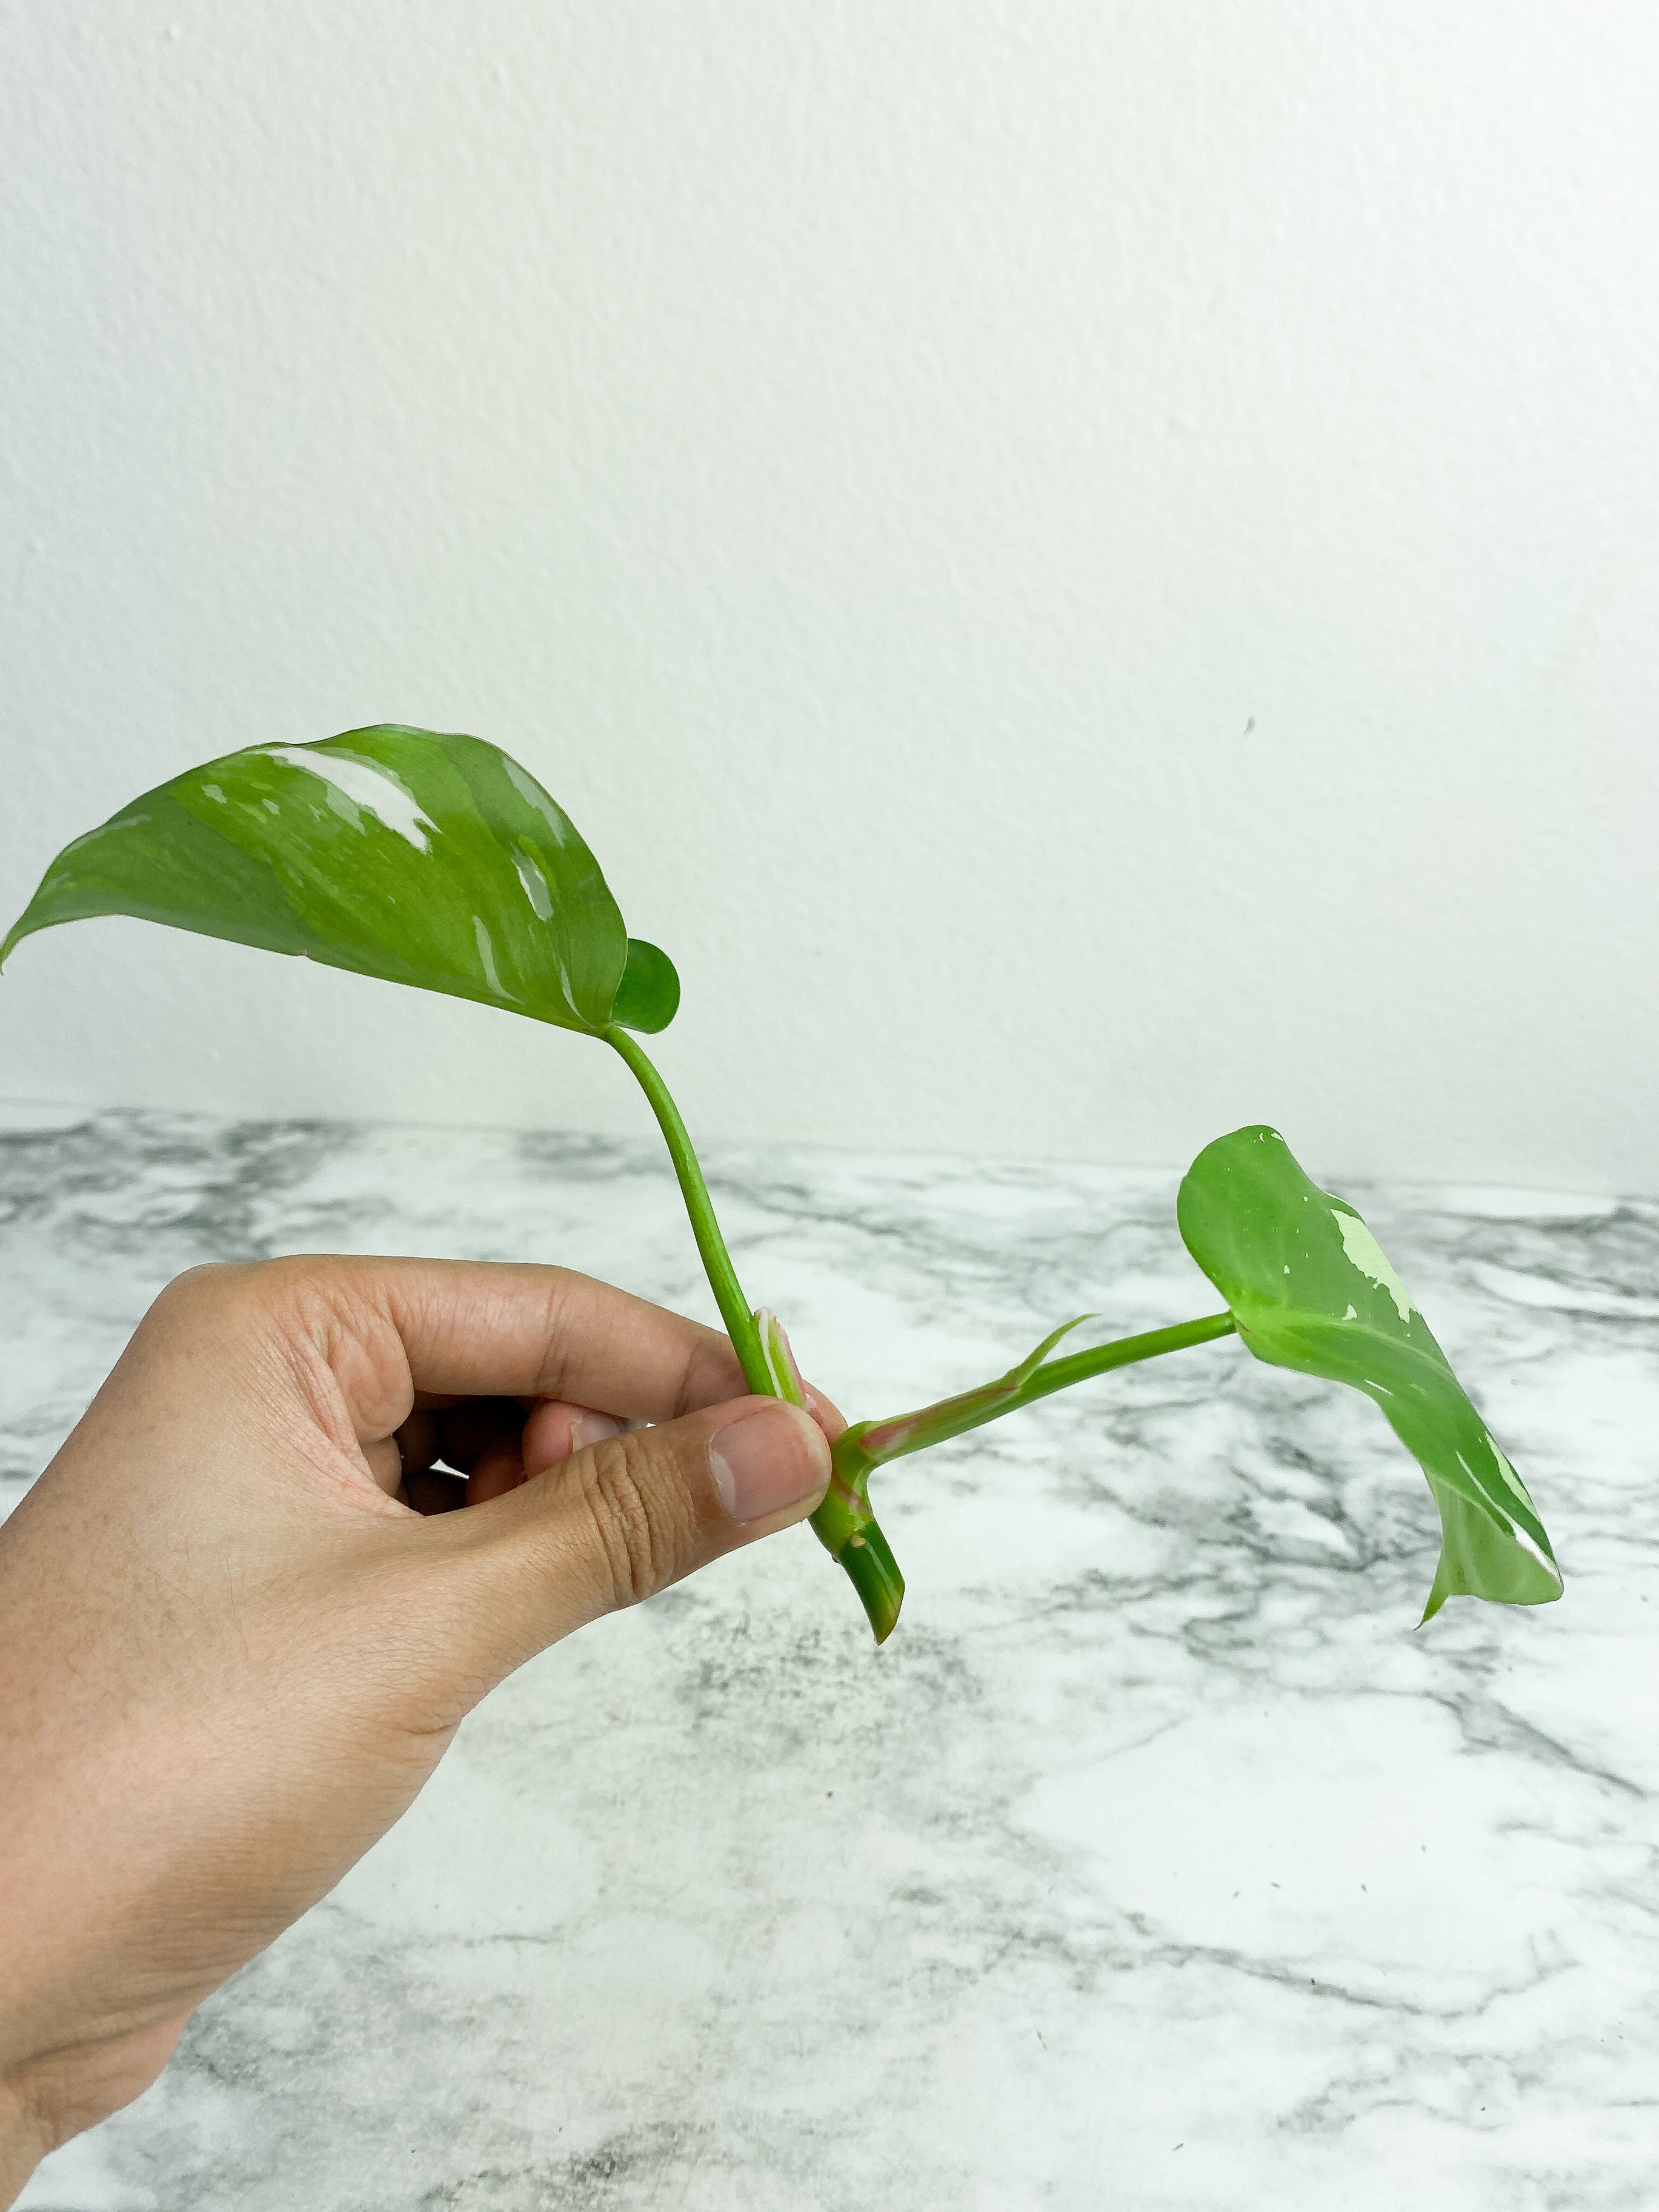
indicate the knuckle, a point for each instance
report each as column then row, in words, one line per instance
column 198, row 1283
column 289, row 1308
column 644, row 1530
column 216, row 1283
column 202, row 1297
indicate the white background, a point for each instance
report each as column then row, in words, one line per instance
column 1089, row 569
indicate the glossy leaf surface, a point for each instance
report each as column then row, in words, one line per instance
column 423, row 858
column 1309, row 1287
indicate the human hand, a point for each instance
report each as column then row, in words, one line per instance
column 232, row 1653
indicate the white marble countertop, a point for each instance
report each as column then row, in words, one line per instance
column 1159, row 1861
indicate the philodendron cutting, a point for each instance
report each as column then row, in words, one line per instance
column 438, row 861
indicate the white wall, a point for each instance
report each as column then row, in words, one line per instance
column 1089, row 568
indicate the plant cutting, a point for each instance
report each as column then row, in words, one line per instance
column 439, row 862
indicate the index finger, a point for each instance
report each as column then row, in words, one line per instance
column 493, row 1328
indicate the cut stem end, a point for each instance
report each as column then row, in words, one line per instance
column 874, row 1574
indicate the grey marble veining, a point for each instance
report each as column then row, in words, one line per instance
column 1158, row 1862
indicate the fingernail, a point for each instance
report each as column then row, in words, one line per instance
column 767, row 1460
column 593, row 1429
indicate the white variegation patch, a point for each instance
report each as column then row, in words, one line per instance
column 1511, row 1476
column 487, row 955
column 1503, row 1506
column 532, row 795
column 368, row 786
column 1364, row 1253
column 534, row 883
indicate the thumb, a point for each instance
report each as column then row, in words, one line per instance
column 623, row 1519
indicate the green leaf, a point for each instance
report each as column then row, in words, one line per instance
column 1309, row 1288
column 648, row 996
column 423, row 859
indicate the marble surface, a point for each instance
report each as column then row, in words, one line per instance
column 1158, row 1862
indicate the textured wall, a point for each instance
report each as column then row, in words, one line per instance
column 1089, row 569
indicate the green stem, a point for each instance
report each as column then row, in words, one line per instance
column 852, row 1538
column 870, row 1444
column 843, row 1523
column 844, row 1520
column 873, row 1572
column 735, row 1309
